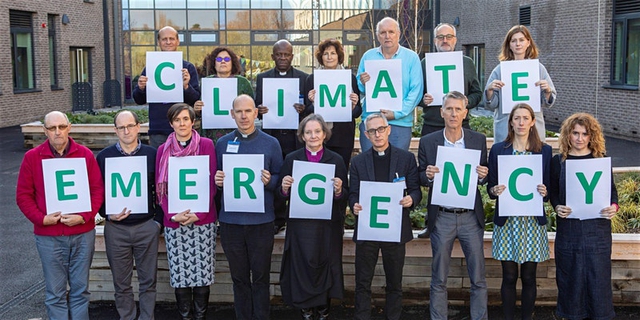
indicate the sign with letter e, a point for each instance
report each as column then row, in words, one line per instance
column 520, row 79
column 188, row 184
column 381, row 215
column 66, row 185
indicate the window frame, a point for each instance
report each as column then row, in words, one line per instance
column 53, row 45
column 624, row 19
column 14, row 31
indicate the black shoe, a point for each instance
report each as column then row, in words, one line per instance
column 184, row 301
column 200, row 302
column 323, row 312
column 277, row 229
column 424, row 233
column 308, row 314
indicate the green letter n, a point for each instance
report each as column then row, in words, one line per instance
column 462, row 187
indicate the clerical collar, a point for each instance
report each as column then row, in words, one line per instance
column 246, row 136
column 184, row 143
column 381, row 153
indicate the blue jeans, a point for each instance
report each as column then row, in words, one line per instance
column 450, row 226
column 400, row 137
column 248, row 249
column 66, row 260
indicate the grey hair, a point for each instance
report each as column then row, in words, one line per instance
column 457, row 95
column 435, row 30
column 374, row 116
column 385, row 19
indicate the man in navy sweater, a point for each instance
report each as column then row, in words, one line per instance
column 132, row 236
column 247, row 238
column 159, row 128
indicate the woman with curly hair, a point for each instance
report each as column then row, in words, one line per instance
column 222, row 62
column 517, row 45
column 582, row 247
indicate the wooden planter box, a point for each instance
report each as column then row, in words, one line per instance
column 93, row 136
column 417, row 273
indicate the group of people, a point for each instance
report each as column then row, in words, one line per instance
column 311, row 272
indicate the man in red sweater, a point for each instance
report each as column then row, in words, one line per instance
column 65, row 242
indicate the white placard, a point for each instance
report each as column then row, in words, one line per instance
column 66, row 185
column 588, row 187
column 164, row 73
column 333, row 88
column 189, row 184
column 217, row 96
column 445, row 73
column 520, row 79
column 381, row 215
column 521, row 174
column 126, row 184
column 243, row 187
column 456, row 184
column 384, row 89
column 279, row 95
column 312, row 190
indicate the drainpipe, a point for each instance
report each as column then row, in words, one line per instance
column 107, row 50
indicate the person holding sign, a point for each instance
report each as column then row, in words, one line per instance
column 388, row 34
column 131, row 234
column 445, row 223
column 190, row 236
column 159, row 128
column 517, row 45
column 65, row 240
column 222, row 62
column 311, row 270
column 582, row 247
column 247, row 237
column 330, row 56
column 383, row 163
column 445, row 41
column 282, row 56
column 519, row 240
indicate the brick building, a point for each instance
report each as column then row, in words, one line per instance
column 594, row 69
column 48, row 46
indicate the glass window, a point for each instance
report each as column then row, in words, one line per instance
column 265, row 4
column 237, row 19
column 174, row 18
column 53, row 63
column 22, row 50
column 170, row 4
column 476, row 53
column 125, row 4
column 385, row 4
column 297, row 19
column 238, row 4
column 202, row 4
column 357, row 4
column 197, row 54
column 125, row 20
column 238, row 37
column 330, row 19
column 203, row 20
column 141, row 20
column 140, row 4
column 332, row 34
column 265, row 20
column 261, row 58
column 625, row 62
column 139, row 58
column 205, row 37
column 266, row 37
column 300, row 4
column 143, row 38
column 298, row 37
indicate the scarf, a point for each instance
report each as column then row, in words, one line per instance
column 172, row 148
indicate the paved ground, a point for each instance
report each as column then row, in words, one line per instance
column 22, row 293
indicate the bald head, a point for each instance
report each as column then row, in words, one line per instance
column 244, row 113
column 168, row 39
column 282, row 55
column 55, row 116
column 56, row 128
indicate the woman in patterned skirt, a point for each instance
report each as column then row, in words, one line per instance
column 583, row 247
column 519, row 240
column 190, row 236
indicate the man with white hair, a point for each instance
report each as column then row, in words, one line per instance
column 65, row 242
column 388, row 34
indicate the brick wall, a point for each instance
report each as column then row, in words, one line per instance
column 574, row 39
column 84, row 30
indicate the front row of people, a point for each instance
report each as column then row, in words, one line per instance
column 311, row 269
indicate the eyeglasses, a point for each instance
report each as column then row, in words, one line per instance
column 60, row 127
column 380, row 130
column 443, row 36
column 225, row 59
column 128, row 127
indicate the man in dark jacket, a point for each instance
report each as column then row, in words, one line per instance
column 382, row 163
